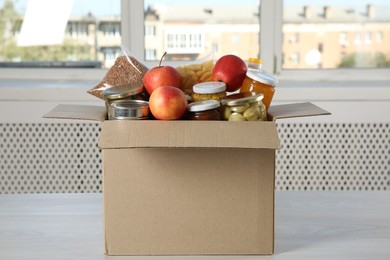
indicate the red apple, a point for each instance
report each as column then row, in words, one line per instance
column 230, row 69
column 161, row 76
column 168, row 103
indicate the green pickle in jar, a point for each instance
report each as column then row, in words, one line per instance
column 245, row 106
column 208, row 91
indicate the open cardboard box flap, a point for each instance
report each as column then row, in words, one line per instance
column 295, row 110
column 186, row 134
column 79, row 112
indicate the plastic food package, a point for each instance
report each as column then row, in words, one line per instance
column 127, row 70
column 196, row 72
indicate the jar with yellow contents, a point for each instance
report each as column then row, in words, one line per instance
column 256, row 81
column 209, row 91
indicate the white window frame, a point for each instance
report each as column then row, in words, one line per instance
column 133, row 38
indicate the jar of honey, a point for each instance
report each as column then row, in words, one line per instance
column 256, row 81
column 204, row 110
column 209, row 91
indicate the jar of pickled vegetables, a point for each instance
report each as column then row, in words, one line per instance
column 204, row 110
column 209, row 91
column 245, row 106
column 256, row 81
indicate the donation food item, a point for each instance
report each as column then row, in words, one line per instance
column 128, row 110
column 168, row 103
column 246, row 106
column 126, row 70
column 204, row 110
column 124, row 92
column 260, row 82
column 192, row 74
column 254, row 64
column 209, row 91
column 161, row 76
column 230, row 69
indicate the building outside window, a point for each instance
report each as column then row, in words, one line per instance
column 335, row 26
column 192, row 30
column 80, row 32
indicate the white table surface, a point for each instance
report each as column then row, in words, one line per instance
column 309, row 225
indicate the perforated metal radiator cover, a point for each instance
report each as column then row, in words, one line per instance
column 64, row 157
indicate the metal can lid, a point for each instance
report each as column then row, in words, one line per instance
column 242, row 98
column 262, row 77
column 118, row 92
column 209, row 87
column 130, row 104
column 203, row 105
column 128, row 109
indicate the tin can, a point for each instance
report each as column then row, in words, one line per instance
column 125, row 92
column 128, row 110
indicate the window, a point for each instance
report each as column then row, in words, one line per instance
column 110, row 29
column 194, row 29
column 150, row 30
column 306, row 24
column 295, row 58
column 150, row 54
column 368, row 37
column 379, row 37
column 358, row 39
column 79, row 32
column 343, row 40
column 339, row 27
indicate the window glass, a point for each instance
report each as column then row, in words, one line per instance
column 189, row 30
column 336, row 34
column 87, row 33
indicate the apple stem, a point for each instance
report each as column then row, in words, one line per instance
column 165, row 53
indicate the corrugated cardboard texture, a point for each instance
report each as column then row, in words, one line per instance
column 83, row 112
column 188, row 201
column 135, row 134
column 295, row 110
column 98, row 113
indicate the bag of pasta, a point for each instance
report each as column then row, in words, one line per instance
column 197, row 72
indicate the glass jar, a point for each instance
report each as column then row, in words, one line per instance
column 204, row 110
column 209, row 91
column 256, row 81
column 254, row 64
column 246, row 106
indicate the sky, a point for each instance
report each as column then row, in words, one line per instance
column 112, row 7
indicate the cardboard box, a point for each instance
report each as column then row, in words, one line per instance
column 188, row 187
